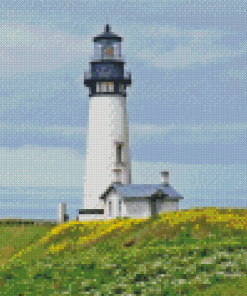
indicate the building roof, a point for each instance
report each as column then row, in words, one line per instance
column 107, row 34
column 143, row 190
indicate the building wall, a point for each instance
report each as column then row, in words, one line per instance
column 134, row 208
column 166, row 206
column 107, row 124
column 137, row 207
column 114, row 198
column 89, row 217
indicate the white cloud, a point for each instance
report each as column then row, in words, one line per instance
column 155, row 129
column 26, row 48
column 189, row 134
column 35, row 49
column 194, row 46
column 183, row 57
column 171, row 31
column 51, row 131
column 177, row 134
column 7, row 103
column 36, row 166
column 61, row 167
column 241, row 74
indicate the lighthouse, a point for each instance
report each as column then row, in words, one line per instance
column 107, row 156
column 108, row 192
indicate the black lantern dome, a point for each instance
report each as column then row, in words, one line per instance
column 106, row 74
column 107, row 34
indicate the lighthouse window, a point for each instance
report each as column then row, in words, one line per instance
column 104, row 87
column 97, row 50
column 117, row 50
column 122, row 87
column 120, row 207
column 109, row 87
column 97, row 87
column 101, row 87
column 109, row 51
column 119, row 152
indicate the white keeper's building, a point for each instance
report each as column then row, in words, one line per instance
column 108, row 192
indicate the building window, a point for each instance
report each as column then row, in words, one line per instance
column 97, row 87
column 120, row 208
column 119, row 152
column 110, row 208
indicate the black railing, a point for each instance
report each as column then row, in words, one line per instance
column 107, row 58
column 88, row 75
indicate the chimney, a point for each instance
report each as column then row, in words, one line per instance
column 165, row 178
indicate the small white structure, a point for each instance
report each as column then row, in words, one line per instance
column 108, row 192
column 62, row 213
column 140, row 200
column 136, row 201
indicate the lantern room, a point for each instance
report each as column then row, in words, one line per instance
column 107, row 46
column 107, row 72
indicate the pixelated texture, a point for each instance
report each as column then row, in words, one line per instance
column 187, row 252
column 186, row 110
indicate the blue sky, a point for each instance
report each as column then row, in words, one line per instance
column 186, row 106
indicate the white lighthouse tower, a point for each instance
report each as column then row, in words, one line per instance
column 108, row 156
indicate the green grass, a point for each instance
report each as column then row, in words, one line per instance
column 150, row 258
column 15, row 237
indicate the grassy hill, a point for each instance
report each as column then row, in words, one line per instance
column 189, row 252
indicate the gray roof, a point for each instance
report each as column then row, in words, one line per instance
column 143, row 190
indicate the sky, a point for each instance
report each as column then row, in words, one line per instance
column 186, row 105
